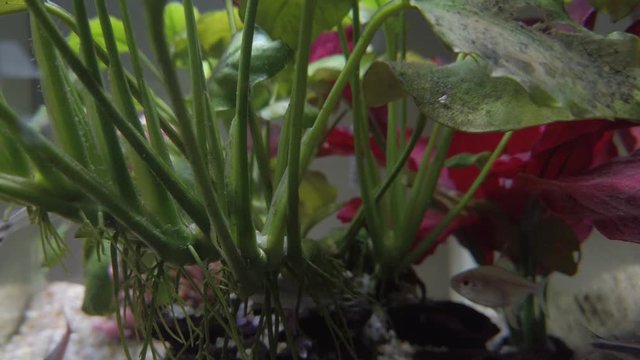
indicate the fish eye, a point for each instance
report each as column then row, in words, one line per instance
column 466, row 282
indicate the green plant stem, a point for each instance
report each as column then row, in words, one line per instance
column 207, row 130
column 241, row 222
column 212, row 205
column 430, row 238
column 37, row 146
column 298, row 101
column 63, row 119
column 313, row 137
column 365, row 163
column 166, row 115
column 153, row 194
column 177, row 189
column 262, row 158
column 29, row 192
column 110, row 147
column 151, row 116
column 228, row 5
column 423, row 188
column 358, row 220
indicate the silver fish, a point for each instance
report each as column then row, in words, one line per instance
column 494, row 286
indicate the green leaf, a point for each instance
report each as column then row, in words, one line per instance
column 175, row 25
column 98, row 37
column 587, row 73
column 465, row 96
column 327, row 69
column 281, row 18
column 316, row 194
column 214, row 32
column 268, row 57
column 12, row 6
column 617, row 9
column 467, row 159
column 381, row 86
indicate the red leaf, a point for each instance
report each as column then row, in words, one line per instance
column 607, row 196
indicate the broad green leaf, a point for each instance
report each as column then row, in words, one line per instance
column 586, row 73
column 467, row 159
column 268, row 57
column 381, row 86
column 464, row 96
column 327, row 69
column 214, row 32
column 175, row 26
column 98, row 37
column 616, row 8
column 281, row 18
column 12, row 6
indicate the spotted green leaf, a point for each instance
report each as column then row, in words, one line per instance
column 560, row 64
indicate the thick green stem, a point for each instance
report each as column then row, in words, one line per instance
column 189, row 203
column 241, row 222
column 28, row 192
column 298, row 101
column 365, row 163
column 64, row 119
column 358, row 220
column 216, row 215
column 423, row 187
column 106, row 132
column 151, row 115
column 36, row 145
column 153, row 194
column 312, row 138
column 430, row 239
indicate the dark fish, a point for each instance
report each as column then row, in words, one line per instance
column 61, row 348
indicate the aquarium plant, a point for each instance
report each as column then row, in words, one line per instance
column 195, row 196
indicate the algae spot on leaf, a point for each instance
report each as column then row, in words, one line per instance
column 583, row 72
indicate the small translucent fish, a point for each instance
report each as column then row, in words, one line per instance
column 494, row 286
column 61, row 348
